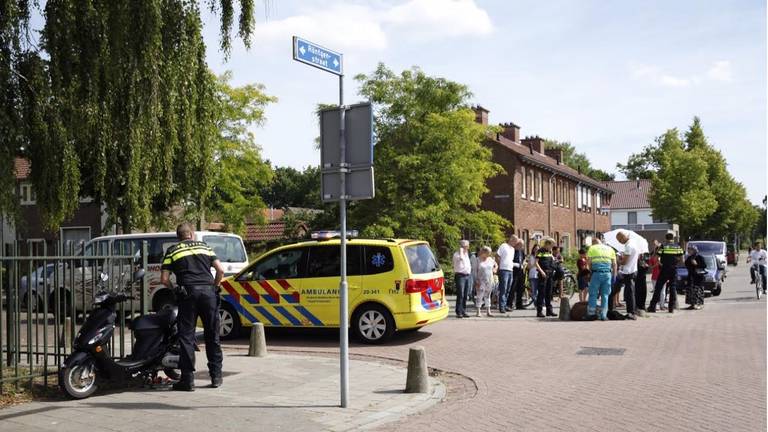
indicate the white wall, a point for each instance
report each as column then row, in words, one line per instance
column 619, row 217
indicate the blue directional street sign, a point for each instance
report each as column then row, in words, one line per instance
column 317, row 56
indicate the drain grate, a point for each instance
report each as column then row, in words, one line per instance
column 595, row 351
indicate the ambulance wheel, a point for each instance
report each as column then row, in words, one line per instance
column 229, row 322
column 372, row 324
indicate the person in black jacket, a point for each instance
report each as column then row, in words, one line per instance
column 695, row 264
column 518, row 279
column 198, row 294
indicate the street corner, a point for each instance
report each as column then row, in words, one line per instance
column 268, row 392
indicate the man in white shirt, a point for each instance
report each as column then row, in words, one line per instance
column 627, row 274
column 759, row 260
column 505, row 256
column 462, row 268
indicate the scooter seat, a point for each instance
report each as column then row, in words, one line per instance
column 130, row 364
column 162, row 319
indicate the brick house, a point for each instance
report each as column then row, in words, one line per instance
column 539, row 194
column 631, row 210
column 87, row 222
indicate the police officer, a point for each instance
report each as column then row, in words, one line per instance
column 670, row 255
column 198, row 295
column 545, row 264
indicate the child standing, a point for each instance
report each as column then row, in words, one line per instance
column 486, row 268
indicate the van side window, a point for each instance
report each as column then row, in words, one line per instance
column 286, row 264
column 325, row 261
column 378, row 259
column 157, row 248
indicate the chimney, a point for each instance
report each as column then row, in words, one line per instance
column 481, row 115
column 556, row 154
column 511, row 131
column 535, row 143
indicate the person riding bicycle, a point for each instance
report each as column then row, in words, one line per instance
column 695, row 264
column 759, row 262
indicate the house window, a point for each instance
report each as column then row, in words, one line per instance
column 525, row 180
column 565, row 244
column 599, row 201
column 589, row 199
column 632, row 218
column 540, row 189
column 531, row 191
column 28, row 195
column 553, row 191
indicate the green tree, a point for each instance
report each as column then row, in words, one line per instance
column 680, row 192
column 431, row 165
column 293, row 188
column 640, row 165
column 578, row 160
column 240, row 175
column 692, row 186
column 116, row 103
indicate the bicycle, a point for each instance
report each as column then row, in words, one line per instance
column 759, row 273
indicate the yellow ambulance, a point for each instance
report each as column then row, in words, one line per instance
column 393, row 285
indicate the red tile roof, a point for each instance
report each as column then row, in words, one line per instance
column 546, row 162
column 629, row 194
column 22, row 168
column 271, row 231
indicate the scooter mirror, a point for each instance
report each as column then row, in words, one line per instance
column 139, row 275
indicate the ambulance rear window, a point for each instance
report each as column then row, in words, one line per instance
column 421, row 259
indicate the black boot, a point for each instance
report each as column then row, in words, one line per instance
column 550, row 312
column 538, row 313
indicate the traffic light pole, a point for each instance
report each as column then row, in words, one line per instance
column 343, row 287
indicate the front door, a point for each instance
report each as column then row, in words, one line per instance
column 320, row 293
column 269, row 290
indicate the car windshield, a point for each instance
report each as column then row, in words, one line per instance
column 227, row 248
column 421, row 259
column 710, row 261
column 708, row 248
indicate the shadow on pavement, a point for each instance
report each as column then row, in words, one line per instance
column 322, row 338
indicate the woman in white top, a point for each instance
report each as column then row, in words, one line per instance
column 533, row 272
column 486, row 268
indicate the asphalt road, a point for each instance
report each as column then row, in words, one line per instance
column 689, row 371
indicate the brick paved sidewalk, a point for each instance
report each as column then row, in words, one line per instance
column 279, row 392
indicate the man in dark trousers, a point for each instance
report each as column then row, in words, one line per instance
column 198, row 295
column 518, row 278
column 670, row 255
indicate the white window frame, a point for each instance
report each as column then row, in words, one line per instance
column 27, row 195
column 525, row 183
column 540, row 190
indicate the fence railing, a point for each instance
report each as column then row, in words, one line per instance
column 45, row 299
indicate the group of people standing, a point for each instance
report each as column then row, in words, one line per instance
column 483, row 273
column 603, row 273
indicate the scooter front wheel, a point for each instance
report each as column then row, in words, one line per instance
column 79, row 381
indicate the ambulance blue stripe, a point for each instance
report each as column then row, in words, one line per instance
column 287, row 314
column 313, row 319
column 242, row 311
column 289, row 298
column 268, row 315
column 250, row 299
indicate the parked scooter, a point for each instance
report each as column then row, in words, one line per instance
column 156, row 348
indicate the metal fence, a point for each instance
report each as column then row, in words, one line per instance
column 46, row 297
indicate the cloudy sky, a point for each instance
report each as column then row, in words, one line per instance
column 606, row 76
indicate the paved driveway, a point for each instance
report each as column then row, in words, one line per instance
column 691, row 371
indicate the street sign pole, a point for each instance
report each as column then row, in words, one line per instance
column 343, row 302
column 322, row 58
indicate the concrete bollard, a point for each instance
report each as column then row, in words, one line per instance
column 417, row 380
column 565, row 309
column 258, row 343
